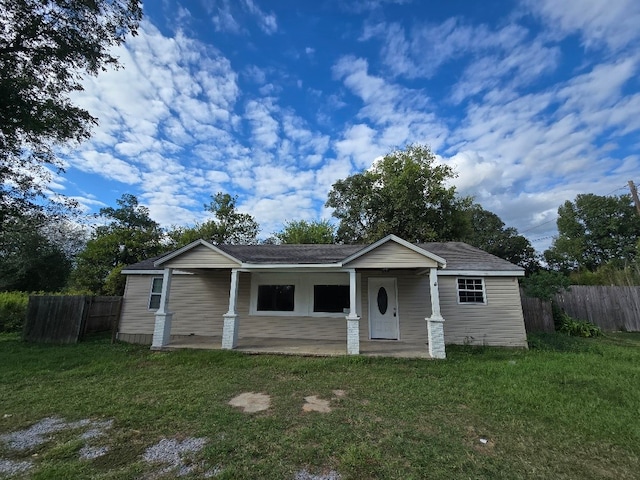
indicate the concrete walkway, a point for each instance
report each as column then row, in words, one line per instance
column 305, row 347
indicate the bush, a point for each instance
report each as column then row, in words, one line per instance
column 13, row 311
column 578, row 328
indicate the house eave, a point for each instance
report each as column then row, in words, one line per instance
column 482, row 273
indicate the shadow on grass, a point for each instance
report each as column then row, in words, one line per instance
column 559, row 342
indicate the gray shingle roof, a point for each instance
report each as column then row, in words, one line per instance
column 462, row 256
column 459, row 255
column 290, row 254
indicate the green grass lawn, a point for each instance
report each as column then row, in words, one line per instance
column 567, row 408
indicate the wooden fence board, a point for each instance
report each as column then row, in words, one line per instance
column 609, row 307
column 537, row 313
column 66, row 319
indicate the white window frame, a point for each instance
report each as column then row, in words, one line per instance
column 303, row 295
column 458, row 290
column 152, row 293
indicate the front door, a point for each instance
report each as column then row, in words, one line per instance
column 383, row 308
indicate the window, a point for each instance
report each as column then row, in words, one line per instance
column 276, row 298
column 156, row 293
column 330, row 298
column 299, row 294
column 471, row 290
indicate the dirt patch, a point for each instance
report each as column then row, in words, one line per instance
column 339, row 393
column 315, row 404
column 251, row 402
column 480, row 443
column 305, row 475
column 174, row 455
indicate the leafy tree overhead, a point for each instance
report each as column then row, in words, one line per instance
column 228, row 227
column 45, row 48
column 303, row 232
column 129, row 237
column 490, row 234
column 594, row 231
column 404, row 193
column 30, row 260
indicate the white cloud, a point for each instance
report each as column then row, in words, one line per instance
column 613, row 23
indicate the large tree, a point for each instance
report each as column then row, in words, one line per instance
column 594, row 231
column 46, row 46
column 404, row 193
column 489, row 233
column 129, row 236
column 34, row 255
column 227, row 227
column 303, row 232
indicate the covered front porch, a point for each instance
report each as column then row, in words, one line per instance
column 305, row 347
column 332, row 312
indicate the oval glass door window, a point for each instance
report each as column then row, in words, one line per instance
column 383, row 300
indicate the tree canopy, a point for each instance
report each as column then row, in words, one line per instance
column 45, row 48
column 31, row 258
column 490, row 234
column 404, row 193
column 303, row 232
column 594, row 231
column 228, row 226
column 129, row 237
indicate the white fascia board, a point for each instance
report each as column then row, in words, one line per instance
column 191, row 246
column 152, row 272
column 426, row 253
column 482, row 273
column 291, row 266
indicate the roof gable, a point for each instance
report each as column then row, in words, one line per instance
column 198, row 254
column 393, row 252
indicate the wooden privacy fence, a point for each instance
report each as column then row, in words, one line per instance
column 610, row 308
column 66, row 319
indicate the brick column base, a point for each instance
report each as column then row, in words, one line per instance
column 435, row 328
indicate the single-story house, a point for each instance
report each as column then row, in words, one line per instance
column 392, row 290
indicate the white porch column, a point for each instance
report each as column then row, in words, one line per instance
column 162, row 328
column 230, row 327
column 435, row 323
column 353, row 320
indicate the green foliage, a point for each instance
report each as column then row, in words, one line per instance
column 129, row 237
column 404, row 193
column 488, row 233
column 557, row 342
column 228, row 227
column 578, row 328
column 45, row 48
column 13, row 311
column 545, row 284
column 303, row 232
column 608, row 274
column 594, row 231
column 29, row 259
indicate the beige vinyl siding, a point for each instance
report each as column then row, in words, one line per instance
column 414, row 304
column 499, row 322
column 197, row 301
column 200, row 257
column 391, row 255
column 316, row 328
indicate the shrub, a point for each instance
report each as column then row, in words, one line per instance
column 13, row 311
column 578, row 328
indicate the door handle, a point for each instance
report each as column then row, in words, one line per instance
column 394, row 311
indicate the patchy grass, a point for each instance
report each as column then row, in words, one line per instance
column 567, row 408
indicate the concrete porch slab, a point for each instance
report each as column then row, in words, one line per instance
column 306, row 347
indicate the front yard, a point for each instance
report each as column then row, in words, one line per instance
column 569, row 408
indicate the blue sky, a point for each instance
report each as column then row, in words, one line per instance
column 531, row 102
